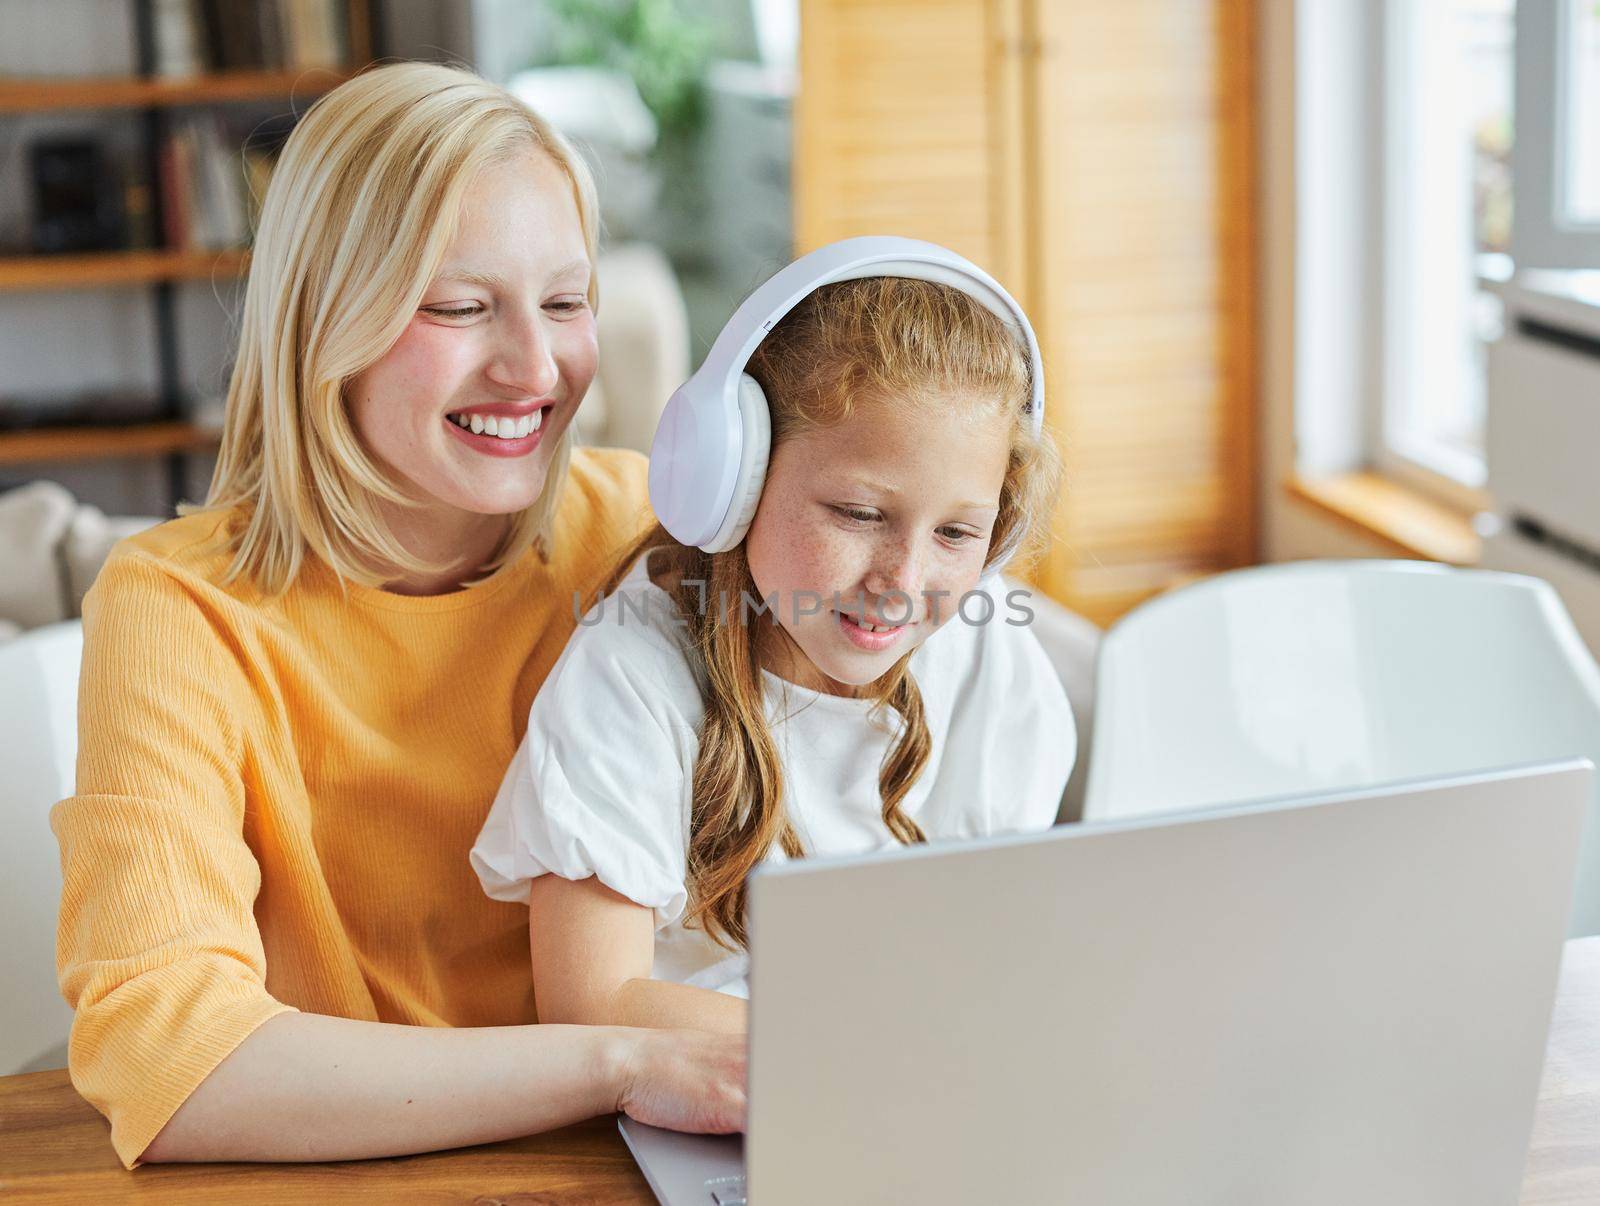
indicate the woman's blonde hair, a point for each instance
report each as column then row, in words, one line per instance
column 362, row 206
column 858, row 342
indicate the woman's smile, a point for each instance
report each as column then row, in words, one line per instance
column 500, row 428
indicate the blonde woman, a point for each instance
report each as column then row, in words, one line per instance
column 808, row 691
column 297, row 700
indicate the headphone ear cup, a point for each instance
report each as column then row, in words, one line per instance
column 754, row 454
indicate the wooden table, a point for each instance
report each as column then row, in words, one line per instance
column 1564, row 1156
column 55, row 1148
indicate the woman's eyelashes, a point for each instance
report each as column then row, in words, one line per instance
column 863, row 517
column 561, row 308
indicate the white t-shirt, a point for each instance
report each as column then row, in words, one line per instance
column 601, row 783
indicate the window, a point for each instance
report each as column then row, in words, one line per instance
column 1439, row 145
column 1444, row 199
column 1403, row 218
column 1557, row 161
column 1581, row 177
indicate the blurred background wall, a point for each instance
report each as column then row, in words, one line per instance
column 1098, row 157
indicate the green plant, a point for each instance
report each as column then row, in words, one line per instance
column 656, row 42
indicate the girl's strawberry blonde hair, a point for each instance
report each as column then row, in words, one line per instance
column 362, row 207
column 916, row 343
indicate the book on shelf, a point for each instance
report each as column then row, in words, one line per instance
column 176, row 52
column 205, row 201
column 196, row 36
column 175, row 171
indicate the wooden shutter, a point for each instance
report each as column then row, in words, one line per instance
column 1097, row 157
column 907, row 122
column 1144, row 237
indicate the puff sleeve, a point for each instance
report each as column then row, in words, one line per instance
column 600, row 785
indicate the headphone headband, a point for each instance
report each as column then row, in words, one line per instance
column 709, row 457
column 854, row 259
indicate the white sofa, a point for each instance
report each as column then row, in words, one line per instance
column 38, row 746
column 51, row 547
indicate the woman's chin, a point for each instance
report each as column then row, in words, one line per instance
column 492, row 493
column 509, row 506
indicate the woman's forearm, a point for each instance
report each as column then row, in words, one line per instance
column 310, row 1087
column 660, row 1004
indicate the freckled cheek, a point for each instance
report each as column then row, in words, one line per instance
column 782, row 548
column 944, row 586
column 822, row 561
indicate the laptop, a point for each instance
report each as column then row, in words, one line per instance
column 1306, row 1002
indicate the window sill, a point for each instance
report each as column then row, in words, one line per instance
column 1404, row 521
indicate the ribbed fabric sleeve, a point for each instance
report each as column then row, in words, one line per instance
column 276, row 797
column 157, row 941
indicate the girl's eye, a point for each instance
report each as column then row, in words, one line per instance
column 452, row 312
column 856, row 514
column 957, row 535
column 568, row 305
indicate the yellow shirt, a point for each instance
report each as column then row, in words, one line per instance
column 276, row 798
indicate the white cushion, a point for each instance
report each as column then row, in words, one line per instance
column 33, row 520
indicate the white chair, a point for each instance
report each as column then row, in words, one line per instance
column 1071, row 642
column 1320, row 676
column 38, row 752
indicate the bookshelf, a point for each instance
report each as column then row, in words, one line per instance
column 54, row 96
column 160, row 97
column 98, row 443
column 101, row 268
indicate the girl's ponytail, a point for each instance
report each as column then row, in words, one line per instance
column 738, row 815
column 907, row 757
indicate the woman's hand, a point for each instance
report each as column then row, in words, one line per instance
column 307, row 1087
column 684, row 1080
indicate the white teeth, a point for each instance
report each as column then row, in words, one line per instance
column 503, row 427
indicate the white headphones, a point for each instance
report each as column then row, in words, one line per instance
column 709, row 457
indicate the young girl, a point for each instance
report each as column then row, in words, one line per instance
column 804, row 692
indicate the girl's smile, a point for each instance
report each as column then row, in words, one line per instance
column 871, row 637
